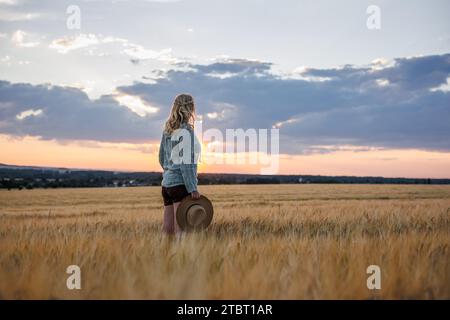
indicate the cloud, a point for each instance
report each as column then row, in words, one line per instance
column 10, row 13
column 392, row 105
column 19, row 38
column 67, row 44
column 445, row 87
column 66, row 113
column 5, row 59
column 135, row 104
column 29, row 113
column 135, row 52
column 17, row 16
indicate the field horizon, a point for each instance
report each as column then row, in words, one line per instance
column 289, row 242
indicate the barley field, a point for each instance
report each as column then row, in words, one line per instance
column 266, row 242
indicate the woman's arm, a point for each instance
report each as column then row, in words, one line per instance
column 161, row 152
column 189, row 170
column 189, row 173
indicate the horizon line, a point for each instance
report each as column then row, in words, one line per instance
column 222, row 173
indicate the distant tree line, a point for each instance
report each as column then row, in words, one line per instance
column 64, row 178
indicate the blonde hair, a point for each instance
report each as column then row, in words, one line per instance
column 183, row 110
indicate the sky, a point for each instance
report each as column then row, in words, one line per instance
column 347, row 99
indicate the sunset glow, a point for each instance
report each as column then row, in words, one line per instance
column 144, row 157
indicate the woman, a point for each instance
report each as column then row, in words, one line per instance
column 178, row 153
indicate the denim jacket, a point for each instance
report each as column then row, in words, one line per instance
column 179, row 171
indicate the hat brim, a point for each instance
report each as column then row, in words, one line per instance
column 182, row 209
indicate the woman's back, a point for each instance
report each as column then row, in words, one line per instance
column 178, row 156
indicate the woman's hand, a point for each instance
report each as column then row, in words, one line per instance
column 195, row 195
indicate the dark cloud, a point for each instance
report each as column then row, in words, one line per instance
column 235, row 66
column 68, row 113
column 391, row 107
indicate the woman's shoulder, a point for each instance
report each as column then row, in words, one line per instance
column 179, row 131
column 187, row 126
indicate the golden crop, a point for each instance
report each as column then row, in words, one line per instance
column 266, row 242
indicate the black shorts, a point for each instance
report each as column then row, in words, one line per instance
column 174, row 194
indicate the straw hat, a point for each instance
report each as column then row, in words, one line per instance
column 194, row 214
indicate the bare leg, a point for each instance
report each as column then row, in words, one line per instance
column 168, row 223
column 177, row 227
